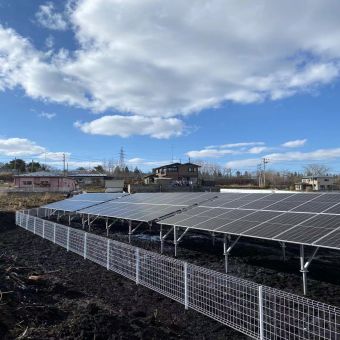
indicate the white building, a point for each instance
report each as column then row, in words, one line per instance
column 315, row 183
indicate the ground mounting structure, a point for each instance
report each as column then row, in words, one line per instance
column 305, row 219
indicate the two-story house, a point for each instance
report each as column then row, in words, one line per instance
column 186, row 173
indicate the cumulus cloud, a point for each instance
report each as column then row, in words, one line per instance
column 295, row 143
column 125, row 126
column 166, row 59
column 49, row 18
column 19, row 147
column 23, row 147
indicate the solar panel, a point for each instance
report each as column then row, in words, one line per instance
column 292, row 202
column 147, row 207
column 314, row 206
column 266, row 230
column 331, row 240
column 302, row 234
column 267, row 201
column 82, row 201
column 334, row 210
column 96, row 197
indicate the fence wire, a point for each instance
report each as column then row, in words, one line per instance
column 257, row 311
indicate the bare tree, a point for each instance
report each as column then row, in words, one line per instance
column 316, row 170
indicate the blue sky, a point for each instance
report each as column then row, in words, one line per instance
column 210, row 80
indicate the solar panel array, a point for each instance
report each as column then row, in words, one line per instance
column 303, row 218
column 147, row 207
column 82, row 201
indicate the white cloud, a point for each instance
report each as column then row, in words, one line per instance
column 166, row 59
column 47, row 115
column 17, row 147
column 257, row 149
column 23, row 147
column 296, row 156
column 242, row 144
column 49, row 18
column 295, row 143
column 143, row 162
column 125, row 126
column 217, row 151
column 209, row 153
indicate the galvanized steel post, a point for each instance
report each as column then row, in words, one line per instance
column 260, row 297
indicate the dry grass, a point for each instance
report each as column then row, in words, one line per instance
column 17, row 201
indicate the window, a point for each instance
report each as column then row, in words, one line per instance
column 27, row 182
column 192, row 169
column 172, row 169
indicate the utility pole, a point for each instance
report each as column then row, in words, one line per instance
column 64, row 164
column 259, row 172
column 264, row 161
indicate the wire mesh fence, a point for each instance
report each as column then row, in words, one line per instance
column 257, row 311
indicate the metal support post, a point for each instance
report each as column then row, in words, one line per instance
column 283, row 246
column 175, row 240
column 68, row 239
column 107, row 226
column 58, row 216
column 161, row 238
column 54, row 227
column 261, row 328
column 130, row 230
column 69, row 219
column 34, row 224
column 137, row 265
column 186, row 295
column 303, row 270
column 304, row 266
column 83, row 221
column 108, row 254
column 164, row 237
column 213, row 238
column 225, row 247
column 43, row 228
column 85, row 244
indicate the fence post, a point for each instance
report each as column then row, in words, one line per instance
column 186, row 296
column 54, row 226
column 68, row 239
column 108, row 255
column 43, row 228
column 27, row 220
column 137, row 266
column 34, row 223
column 85, row 244
column 260, row 295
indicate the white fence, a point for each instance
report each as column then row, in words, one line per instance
column 257, row 311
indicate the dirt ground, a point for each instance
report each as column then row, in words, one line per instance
column 77, row 299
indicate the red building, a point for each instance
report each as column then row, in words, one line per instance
column 44, row 181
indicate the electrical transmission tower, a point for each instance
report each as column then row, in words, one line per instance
column 122, row 159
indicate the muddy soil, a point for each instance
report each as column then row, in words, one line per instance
column 47, row 293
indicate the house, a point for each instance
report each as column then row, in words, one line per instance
column 315, row 183
column 44, row 181
column 84, row 179
column 181, row 174
column 114, row 185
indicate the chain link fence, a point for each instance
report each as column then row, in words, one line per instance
column 257, row 311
